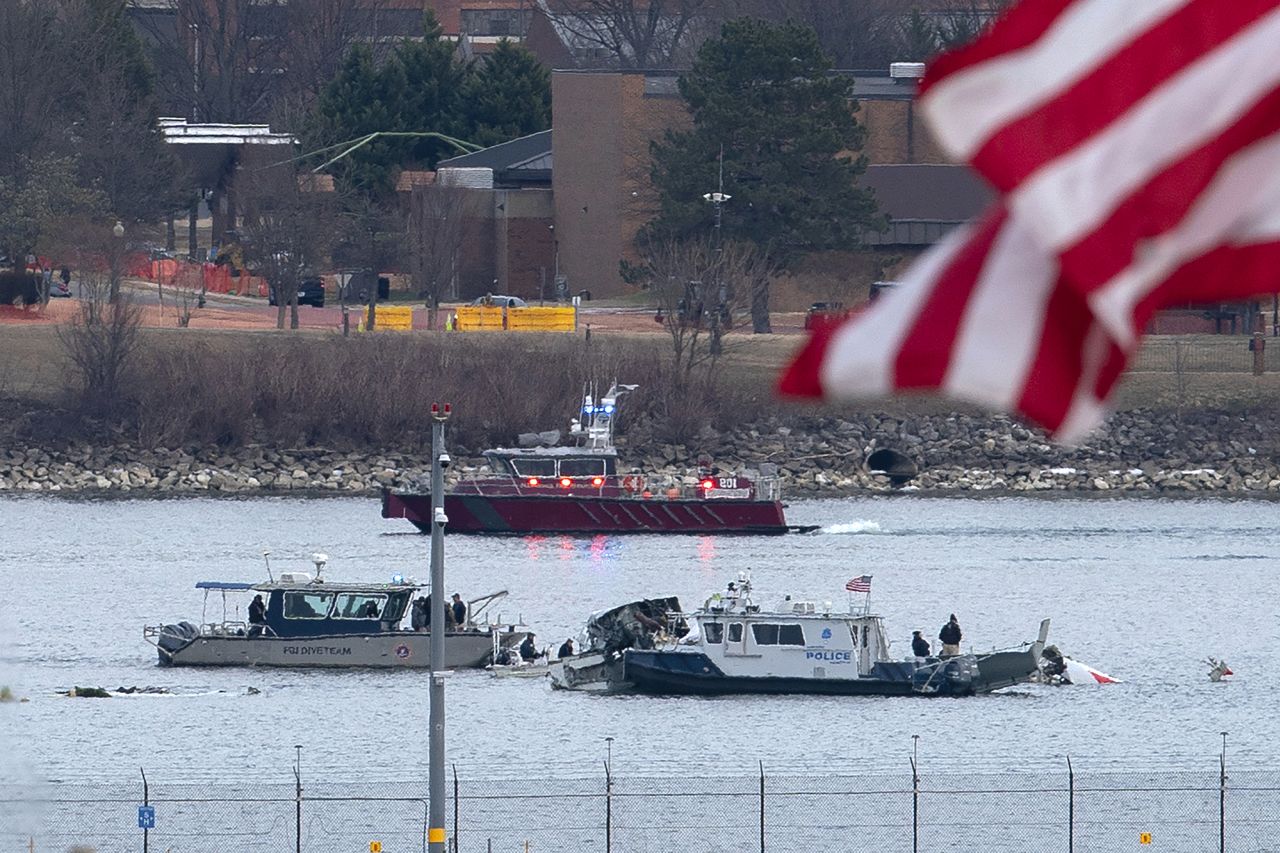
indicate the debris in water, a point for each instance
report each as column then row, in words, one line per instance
column 1218, row 669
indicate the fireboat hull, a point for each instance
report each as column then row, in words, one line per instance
column 529, row 514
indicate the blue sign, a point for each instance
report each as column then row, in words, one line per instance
column 146, row 817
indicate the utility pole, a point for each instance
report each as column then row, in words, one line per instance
column 439, row 460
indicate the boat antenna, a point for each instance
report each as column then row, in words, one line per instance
column 320, row 560
column 266, row 558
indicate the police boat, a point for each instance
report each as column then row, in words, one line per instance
column 806, row 647
column 309, row 622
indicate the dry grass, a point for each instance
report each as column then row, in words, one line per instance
column 191, row 386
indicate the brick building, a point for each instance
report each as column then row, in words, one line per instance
column 507, row 242
column 605, row 121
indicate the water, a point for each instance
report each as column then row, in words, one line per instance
column 1142, row 589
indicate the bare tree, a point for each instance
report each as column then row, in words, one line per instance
column 232, row 60
column 629, row 33
column 702, row 292
column 286, row 230
column 436, row 221
column 102, row 339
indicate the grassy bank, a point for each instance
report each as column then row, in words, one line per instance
column 296, row 389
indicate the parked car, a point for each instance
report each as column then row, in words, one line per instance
column 500, row 301
column 310, row 292
column 824, row 313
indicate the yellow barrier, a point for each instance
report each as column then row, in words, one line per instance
column 479, row 318
column 391, row 318
column 488, row 318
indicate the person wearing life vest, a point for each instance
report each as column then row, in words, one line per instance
column 950, row 636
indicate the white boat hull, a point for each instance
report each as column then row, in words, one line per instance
column 401, row 650
column 586, row 672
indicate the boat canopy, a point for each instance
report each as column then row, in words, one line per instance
column 222, row 585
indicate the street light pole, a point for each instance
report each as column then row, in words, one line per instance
column 436, row 780
column 717, row 198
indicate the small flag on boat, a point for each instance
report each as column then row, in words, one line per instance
column 859, row 584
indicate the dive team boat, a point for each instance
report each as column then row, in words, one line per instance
column 542, row 487
column 311, row 622
column 804, row 647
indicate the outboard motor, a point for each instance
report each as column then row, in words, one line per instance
column 947, row 677
column 894, row 464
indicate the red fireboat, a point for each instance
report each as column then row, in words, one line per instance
column 577, row 488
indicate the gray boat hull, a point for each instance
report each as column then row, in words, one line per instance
column 398, row 650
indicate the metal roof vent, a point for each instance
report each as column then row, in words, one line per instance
column 906, row 70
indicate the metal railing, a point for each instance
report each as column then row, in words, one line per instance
column 1065, row 808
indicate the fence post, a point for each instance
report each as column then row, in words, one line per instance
column 915, row 794
column 761, row 807
column 146, row 801
column 608, row 809
column 1222, row 796
column 297, row 803
column 1071, row 807
column 454, row 840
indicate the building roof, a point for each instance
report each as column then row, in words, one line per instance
column 523, row 160
column 924, row 201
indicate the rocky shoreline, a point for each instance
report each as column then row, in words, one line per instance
column 1151, row 452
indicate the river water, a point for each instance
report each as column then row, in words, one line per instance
column 1142, row 589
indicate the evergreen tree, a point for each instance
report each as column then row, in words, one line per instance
column 360, row 100
column 507, row 96
column 764, row 96
column 432, row 97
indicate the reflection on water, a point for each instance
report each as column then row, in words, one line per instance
column 81, row 579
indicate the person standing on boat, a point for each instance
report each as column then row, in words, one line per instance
column 950, row 636
column 459, row 610
column 919, row 645
column 566, row 649
column 257, row 616
column 420, row 616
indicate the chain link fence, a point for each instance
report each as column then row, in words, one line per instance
column 1180, row 354
column 1215, row 809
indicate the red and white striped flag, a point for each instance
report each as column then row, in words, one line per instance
column 1136, row 148
column 862, row 583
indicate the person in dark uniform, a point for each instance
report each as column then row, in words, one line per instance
column 950, row 636
column 459, row 610
column 419, row 617
column 919, row 645
column 528, row 650
column 370, row 610
column 257, row 616
column 566, row 649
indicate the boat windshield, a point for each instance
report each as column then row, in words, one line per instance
column 714, row 633
column 534, row 467
column 359, row 605
column 588, row 467
column 307, row 605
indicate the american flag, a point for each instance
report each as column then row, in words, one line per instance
column 1135, row 145
column 859, row 584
